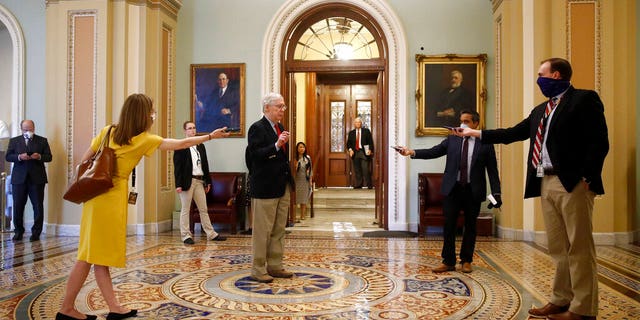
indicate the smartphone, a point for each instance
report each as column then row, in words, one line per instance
column 451, row 128
column 232, row 130
column 399, row 149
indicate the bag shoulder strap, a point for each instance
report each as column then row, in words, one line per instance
column 105, row 140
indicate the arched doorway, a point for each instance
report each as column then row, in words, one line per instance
column 391, row 202
column 342, row 54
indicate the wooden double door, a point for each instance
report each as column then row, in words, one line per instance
column 337, row 106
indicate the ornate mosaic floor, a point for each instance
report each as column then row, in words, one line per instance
column 335, row 278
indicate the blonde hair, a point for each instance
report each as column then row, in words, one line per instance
column 135, row 118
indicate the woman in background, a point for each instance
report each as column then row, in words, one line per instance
column 103, row 226
column 303, row 178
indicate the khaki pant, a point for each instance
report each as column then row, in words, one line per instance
column 567, row 218
column 196, row 192
column 269, row 223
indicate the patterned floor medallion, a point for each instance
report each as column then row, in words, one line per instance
column 326, row 284
column 350, row 278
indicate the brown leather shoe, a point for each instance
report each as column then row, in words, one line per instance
column 549, row 309
column 280, row 273
column 264, row 278
column 466, row 267
column 568, row 315
column 443, row 268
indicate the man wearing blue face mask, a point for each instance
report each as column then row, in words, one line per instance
column 464, row 187
column 568, row 144
column 28, row 152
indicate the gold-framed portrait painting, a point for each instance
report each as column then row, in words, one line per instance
column 448, row 84
column 217, row 92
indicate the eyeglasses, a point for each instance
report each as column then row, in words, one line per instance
column 281, row 107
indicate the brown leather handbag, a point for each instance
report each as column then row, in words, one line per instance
column 93, row 177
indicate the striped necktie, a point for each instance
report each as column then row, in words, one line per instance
column 537, row 145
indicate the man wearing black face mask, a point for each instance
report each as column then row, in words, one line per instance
column 28, row 152
column 568, row 144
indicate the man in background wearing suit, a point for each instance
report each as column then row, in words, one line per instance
column 28, row 152
column 191, row 172
column 568, row 142
column 360, row 147
column 271, row 183
column 464, row 186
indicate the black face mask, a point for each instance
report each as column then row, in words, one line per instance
column 552, row 87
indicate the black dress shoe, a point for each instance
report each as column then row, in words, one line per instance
column 118, row 316
column 60, row 316
column 34, row 238
column 188, row 241
column 17, row 237
column 248, row 231
column 219, row 238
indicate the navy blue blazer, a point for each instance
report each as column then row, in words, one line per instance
column 577, row 140
column 33, row 169
column 269, row 168
column 183, row 167
column 483, row 158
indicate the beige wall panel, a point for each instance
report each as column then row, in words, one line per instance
column 83, row 84
column 583, row 44
column 510, row 110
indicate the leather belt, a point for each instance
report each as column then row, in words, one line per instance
column 198, row 177
column 550, row 172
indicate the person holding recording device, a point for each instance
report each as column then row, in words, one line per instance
column 464, row 186
column 191, row 172
column 103, row 225
column 568, row 142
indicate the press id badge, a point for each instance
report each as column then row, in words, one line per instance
column 133, row 197
column 540, row 172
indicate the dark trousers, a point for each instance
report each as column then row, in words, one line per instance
column 361, row 168
column 35, row 192
column 460, row 198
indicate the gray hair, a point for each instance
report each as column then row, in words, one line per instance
column 270, row 98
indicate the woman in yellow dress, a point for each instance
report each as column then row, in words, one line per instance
column 104, row 218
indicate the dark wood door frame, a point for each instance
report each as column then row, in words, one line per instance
column 381, row 140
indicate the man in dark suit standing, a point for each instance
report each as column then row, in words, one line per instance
column 28, row 152
column 191, row 172
column 464, row 186
column 271, row 182
column 568, row 142
column 360, row 148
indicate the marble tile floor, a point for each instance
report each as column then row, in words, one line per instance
column 338, row 275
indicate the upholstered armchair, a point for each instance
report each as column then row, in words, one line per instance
column 224, row 200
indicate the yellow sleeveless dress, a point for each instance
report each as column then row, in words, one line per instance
column 103, row 226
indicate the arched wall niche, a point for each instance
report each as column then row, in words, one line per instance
column 17, row 73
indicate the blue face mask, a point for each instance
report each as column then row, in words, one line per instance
column 552, row 87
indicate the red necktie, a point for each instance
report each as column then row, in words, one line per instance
column 537, row 145
column 278, row 131
column 357, row 139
